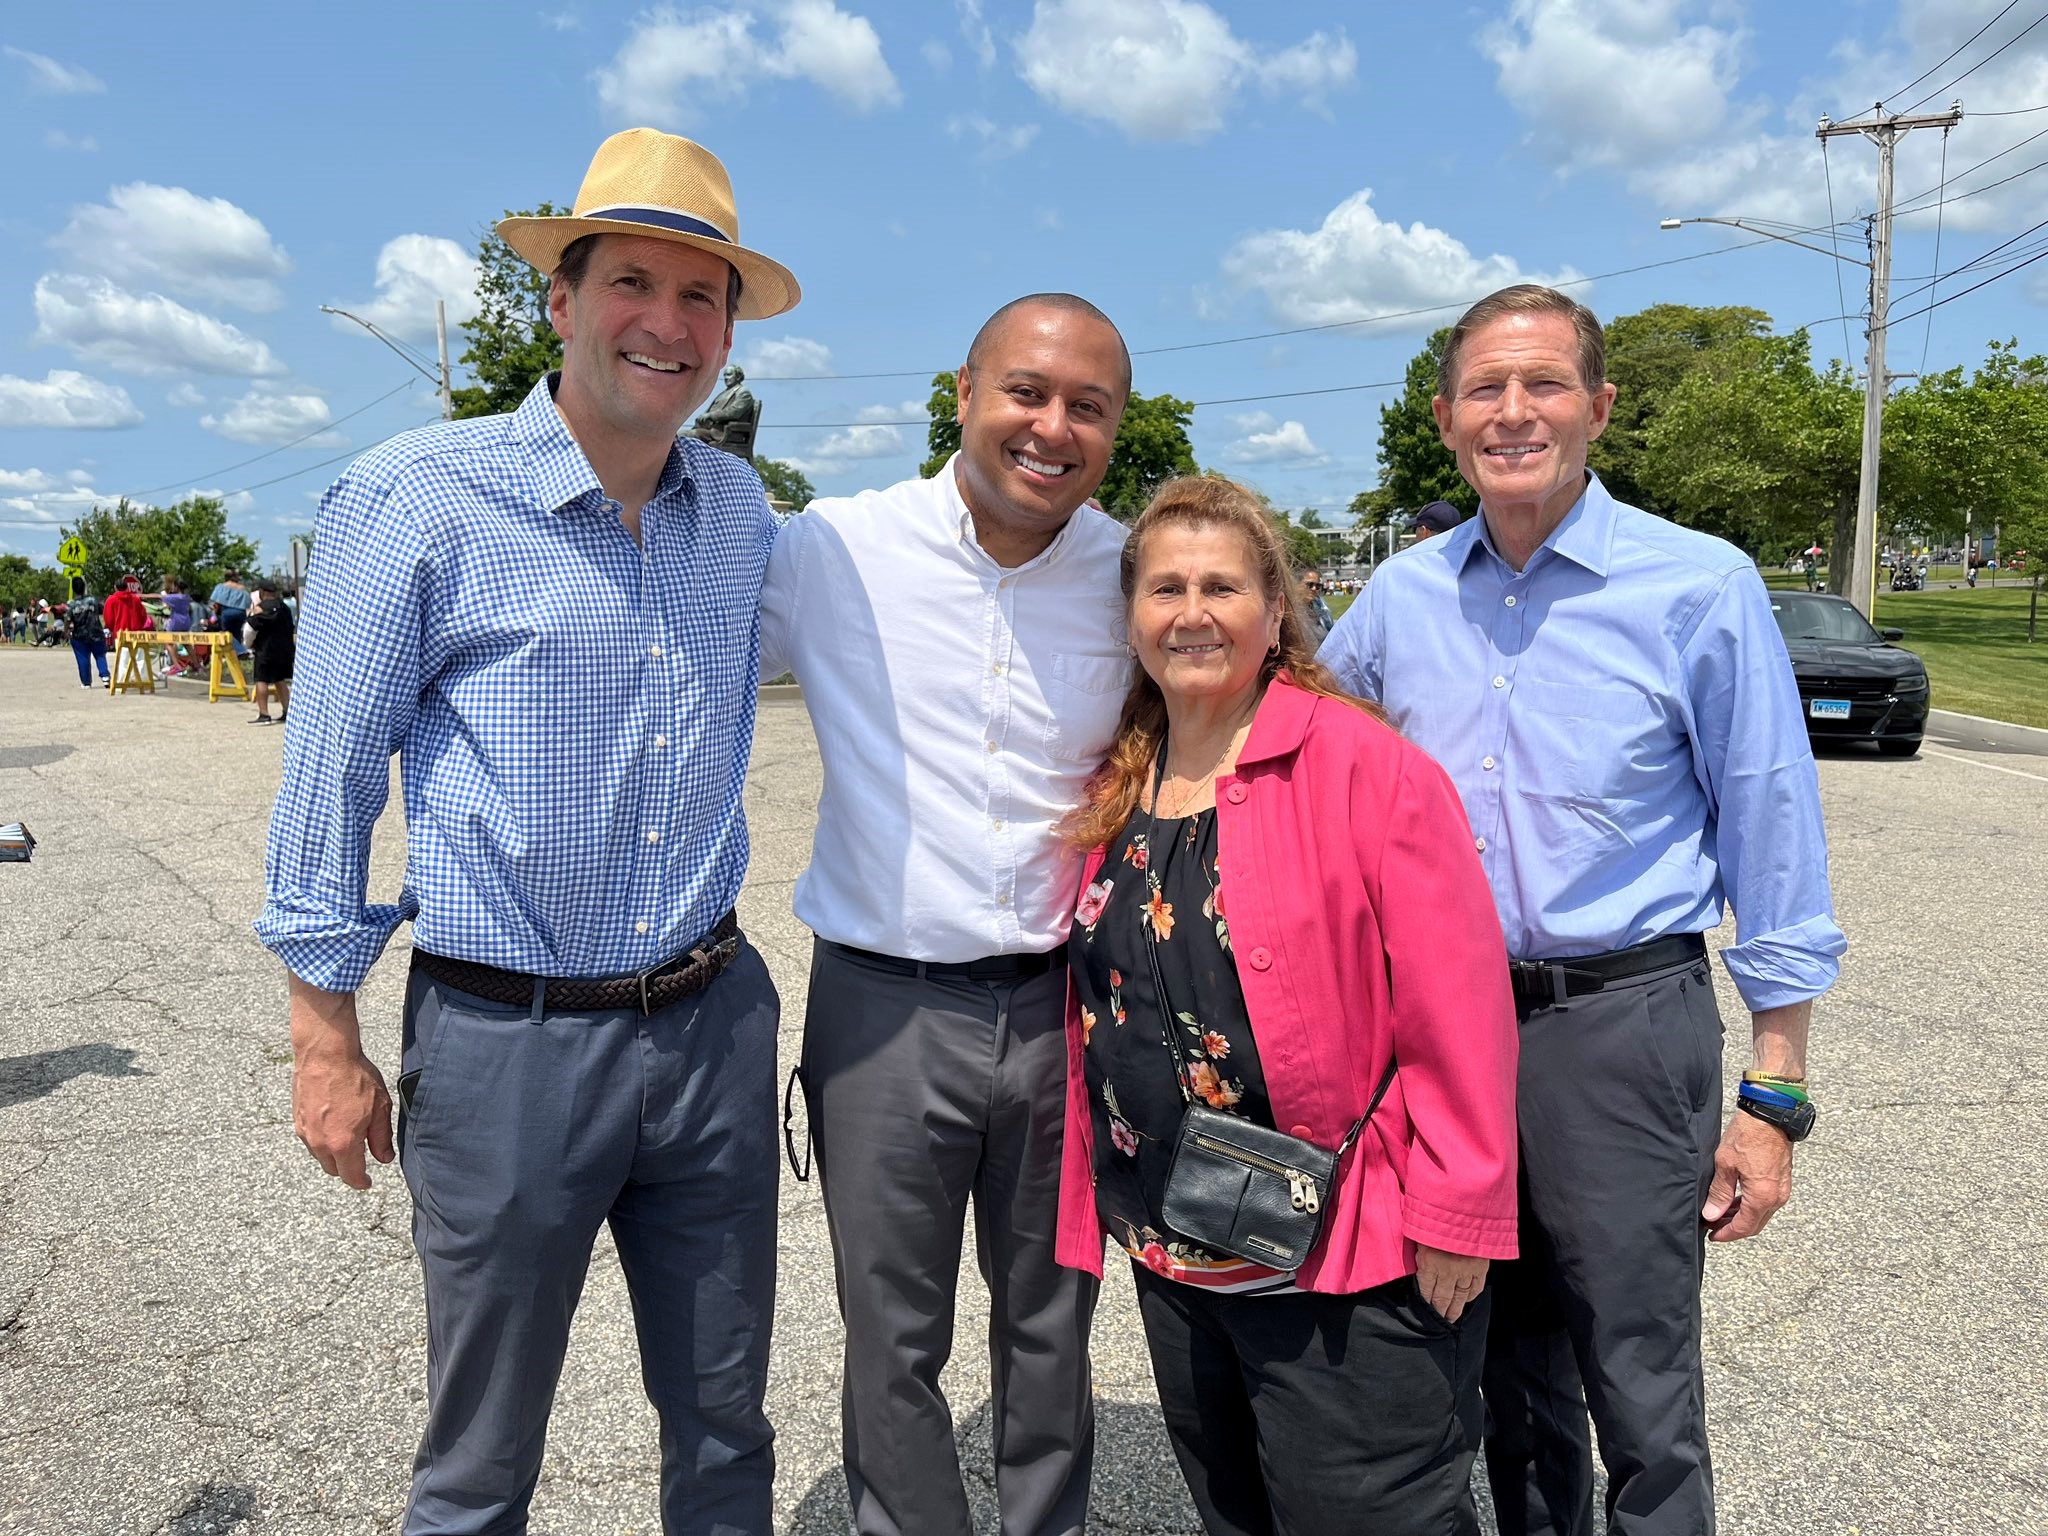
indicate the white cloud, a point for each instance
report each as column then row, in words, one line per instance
column 1263, row 440
column 997, row 140
column 412, row 272
column 143, row 332
column 62, row 399
column 790, row 357
column 672, row 64
column 57, row 138
column 906, row 410
column 975, row 30
column 273, row 416
column 1358, row 266
column 875, row 438
column 1659, row 84
column 201, row 247
column 55, row 79
column 18, row 481
column 561, row 21
column 1165, row 69
column 184, row 397
column 936, row 55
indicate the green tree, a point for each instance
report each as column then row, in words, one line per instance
column 942, row 437
column 785, row 482
column 1649, row 353
column 1311, row 518
column 22, row 582
column 189, row 540
column 1151, row 445
column 511, row 343
column 1416, row 467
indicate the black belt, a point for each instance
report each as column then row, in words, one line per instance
column 650, row 991
column 993, row 968
column 1544, row 983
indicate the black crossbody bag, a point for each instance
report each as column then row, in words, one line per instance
column 1234, row 1186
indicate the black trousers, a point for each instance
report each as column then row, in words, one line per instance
column 1309, row 1415
column 1620, row 1105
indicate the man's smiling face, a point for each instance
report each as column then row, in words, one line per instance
column 1519, row 416
column 1038, row 417
column 644, row 334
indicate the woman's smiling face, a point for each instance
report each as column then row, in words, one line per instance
column 1199, row 622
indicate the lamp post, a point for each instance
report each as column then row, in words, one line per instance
column 442, row 382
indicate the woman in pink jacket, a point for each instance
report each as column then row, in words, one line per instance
column 1301, row 885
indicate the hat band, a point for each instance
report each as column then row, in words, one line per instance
column 662, row 218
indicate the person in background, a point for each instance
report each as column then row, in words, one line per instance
column 273, row 650
column 230, row 602
column 1281, row 916
column 124, row 610
column 1437, row 517
column 1313, row 607
column 88, row 633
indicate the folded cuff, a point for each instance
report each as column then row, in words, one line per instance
column 1786, row 965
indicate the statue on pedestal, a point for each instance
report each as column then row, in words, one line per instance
column 731, row 420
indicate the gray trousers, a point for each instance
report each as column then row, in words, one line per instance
column 924, row 1094
column 525, row 1132
column 1620, row 1104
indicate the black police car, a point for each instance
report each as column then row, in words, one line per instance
column 1854, row 684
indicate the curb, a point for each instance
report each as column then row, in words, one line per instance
column 2008, row 725
column 781, row 693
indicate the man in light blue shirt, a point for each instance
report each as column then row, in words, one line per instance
column 1613, row 700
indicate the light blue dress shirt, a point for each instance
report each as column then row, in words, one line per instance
column 1621, row 721
column 572, row 710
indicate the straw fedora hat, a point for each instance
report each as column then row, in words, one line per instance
column 643, row 182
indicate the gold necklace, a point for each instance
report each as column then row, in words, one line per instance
column 1196, row 793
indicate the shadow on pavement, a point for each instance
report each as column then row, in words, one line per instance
column 30, row 1077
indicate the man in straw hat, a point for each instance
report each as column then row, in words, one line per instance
column 588, row 1038
column 957, row 726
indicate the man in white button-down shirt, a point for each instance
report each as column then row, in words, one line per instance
column 961, row 648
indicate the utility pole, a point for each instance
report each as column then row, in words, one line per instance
column 1883, row 129
column 441, row 334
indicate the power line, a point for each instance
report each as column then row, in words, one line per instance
column 1841, row 298
column 1905, row 207
column 2014, row 112
column 922, row 421
column 2008, row 272
column 1940, row 209
column 1994, row 53
column 1994, row 21
column 273, row 452
column 1299, row 330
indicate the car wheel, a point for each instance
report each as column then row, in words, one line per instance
column 1898, row 748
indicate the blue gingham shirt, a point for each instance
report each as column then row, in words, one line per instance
column 572, row 711
column 1621, row 721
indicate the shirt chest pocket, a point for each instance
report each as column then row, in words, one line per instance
column 1083, row 696
column 1570, row 741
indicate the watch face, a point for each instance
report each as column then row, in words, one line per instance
column 1799, row 1124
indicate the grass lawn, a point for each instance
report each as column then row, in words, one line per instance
column 1974, row 644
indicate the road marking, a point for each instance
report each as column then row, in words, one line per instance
column 1956, row 757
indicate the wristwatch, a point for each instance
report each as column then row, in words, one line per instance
column 1792, row 1116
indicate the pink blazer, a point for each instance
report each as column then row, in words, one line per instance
column 1361, row 924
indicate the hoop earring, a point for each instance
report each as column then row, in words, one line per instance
column 1273, row 649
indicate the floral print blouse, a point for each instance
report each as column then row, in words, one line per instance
column 1161, row 887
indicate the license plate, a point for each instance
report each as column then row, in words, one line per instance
column 1828, row 709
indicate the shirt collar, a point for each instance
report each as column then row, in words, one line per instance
column 563, row 478
column 1280, row 724
column 963, row 520
column 1585, row 536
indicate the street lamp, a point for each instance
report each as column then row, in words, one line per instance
column 442, row 382
column 1862, row 581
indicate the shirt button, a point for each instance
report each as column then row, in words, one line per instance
column 1479, row 843
column 997, row 669
column 1486, row 763
column 996, row 822
column 639, row 927
column 1002, row 901
column 654, row 650
column 1234, row 794
column 661, row 741
column 1262, row 959
column 653, row 837
column 989, row 746
column 1500, row 682
column 1511, row 600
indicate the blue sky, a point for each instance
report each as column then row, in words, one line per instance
column 188, row 184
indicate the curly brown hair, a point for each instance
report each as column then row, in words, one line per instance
column 1115, row 792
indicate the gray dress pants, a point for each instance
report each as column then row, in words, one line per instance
column 524, row 1134
column 925, row 1093
column 1620, row 1106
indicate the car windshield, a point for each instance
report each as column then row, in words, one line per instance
column 1803, row 617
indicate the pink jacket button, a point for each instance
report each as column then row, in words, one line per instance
column 1301, row 1131
column 1234, row 794
column 1262, row 959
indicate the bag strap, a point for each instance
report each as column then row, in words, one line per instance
column 1159, row 981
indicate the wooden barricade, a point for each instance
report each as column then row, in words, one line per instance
column 132, row 672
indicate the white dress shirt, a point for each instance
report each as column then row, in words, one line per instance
column 960, row 705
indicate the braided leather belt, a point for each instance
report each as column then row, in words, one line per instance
column 650, row 991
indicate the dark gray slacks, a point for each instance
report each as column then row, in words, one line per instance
column 924, row 1094
column 526, row 1133
column 1620, row 1106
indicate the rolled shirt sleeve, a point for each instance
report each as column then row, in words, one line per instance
column 1750, row 751
column 1454, row 1021
column 360, row 664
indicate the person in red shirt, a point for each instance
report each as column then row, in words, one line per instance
column 124, row 610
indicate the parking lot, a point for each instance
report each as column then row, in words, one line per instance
column 199, row 1332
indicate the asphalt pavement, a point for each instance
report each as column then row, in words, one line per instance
column 200, row 1333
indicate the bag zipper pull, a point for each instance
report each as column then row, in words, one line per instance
column 1295, row 1191
column 1311, row 1201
